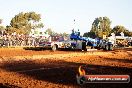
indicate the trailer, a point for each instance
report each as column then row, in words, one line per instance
column 68, row 44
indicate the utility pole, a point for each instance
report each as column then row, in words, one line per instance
column 73, row 30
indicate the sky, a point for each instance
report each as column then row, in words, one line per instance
column 59, row 15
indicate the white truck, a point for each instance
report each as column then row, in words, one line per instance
column 68, row 44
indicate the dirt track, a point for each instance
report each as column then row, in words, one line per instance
column 47, row 69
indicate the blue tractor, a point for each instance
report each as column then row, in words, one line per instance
column 93, row 43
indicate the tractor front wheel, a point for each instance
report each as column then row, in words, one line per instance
column 54, row 47
column 106, row 47
column 110, row 47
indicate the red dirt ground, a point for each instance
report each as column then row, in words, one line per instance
column 47, row 69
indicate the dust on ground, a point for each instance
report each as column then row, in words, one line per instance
column 29, row 68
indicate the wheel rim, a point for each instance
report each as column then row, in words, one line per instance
column 54, row 48
column 106, row 47
column 111, row 47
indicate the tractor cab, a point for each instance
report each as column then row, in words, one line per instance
column 75, row 35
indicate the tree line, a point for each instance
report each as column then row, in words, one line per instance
column 22, row 23
column 101, row 26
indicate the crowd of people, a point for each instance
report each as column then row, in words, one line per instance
column 18, row 40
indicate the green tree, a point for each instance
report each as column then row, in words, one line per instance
column 90, row 34
column 64, row 34
column 100, row 26
column 2, row 28
column 119, row 28
column 49, row 31
column 24, row 22
column 10, row 29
